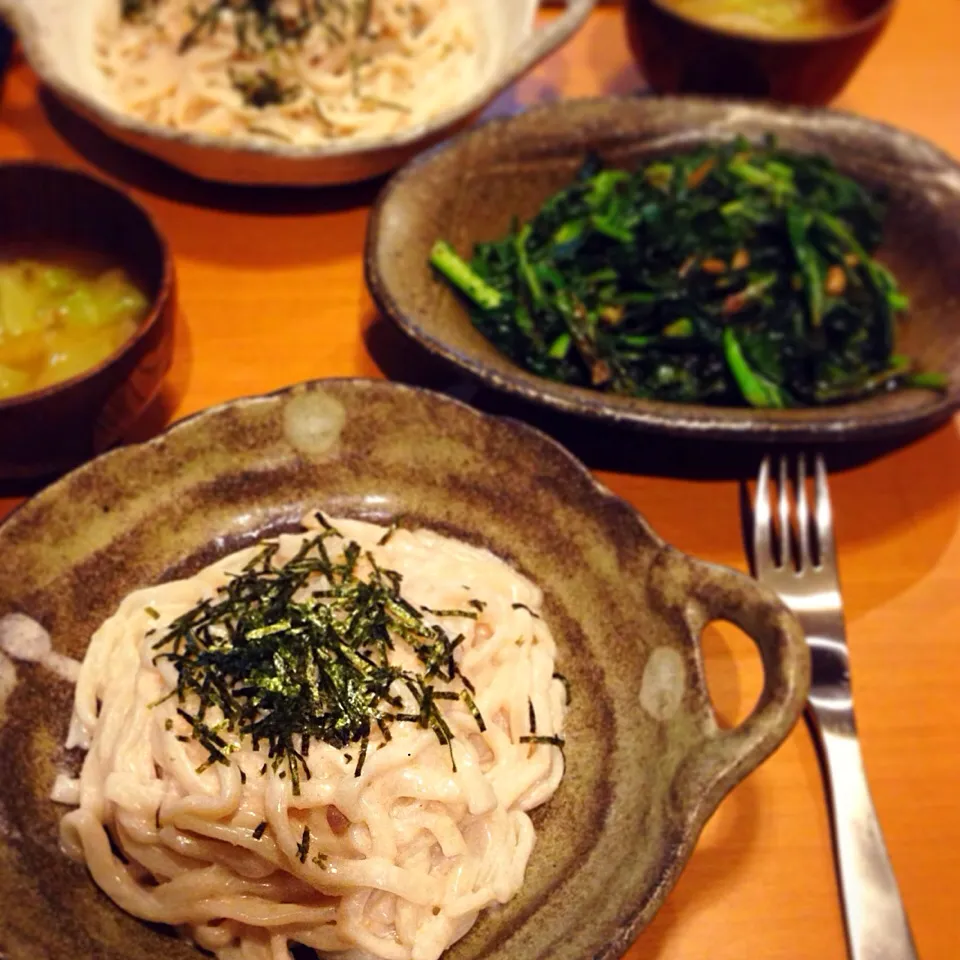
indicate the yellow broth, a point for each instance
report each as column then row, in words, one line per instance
column 777, row 18
column 61, row 316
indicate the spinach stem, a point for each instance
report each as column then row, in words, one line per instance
column 445, row 259
column 756, row 389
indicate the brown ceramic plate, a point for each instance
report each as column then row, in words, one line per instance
column 647, row 763
column 469, row 190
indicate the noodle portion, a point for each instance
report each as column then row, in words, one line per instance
column 303, row 72
column 386, row 849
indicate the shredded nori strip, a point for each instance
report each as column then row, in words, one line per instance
column 523, row 606
column 469, row 614
column 133, row 11
column 262, row 89
column 551, row 741
column 303, row 847
column 391, row 530
column 285, row 664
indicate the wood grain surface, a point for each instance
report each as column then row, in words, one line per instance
column 271, row 292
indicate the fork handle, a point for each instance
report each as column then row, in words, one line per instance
column 873, row 912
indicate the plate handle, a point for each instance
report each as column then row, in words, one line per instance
column 700, row 593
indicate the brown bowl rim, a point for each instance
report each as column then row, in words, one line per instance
column 157, row 305
column 860, row 26
column 659, row 417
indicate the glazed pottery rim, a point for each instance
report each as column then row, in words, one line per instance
column 743, row 424
column 481, row 95
column 742, row 758
column 359, row 381
column 158, row 303
column 859, row 26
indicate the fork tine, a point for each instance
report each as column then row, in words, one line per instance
column 783, row 509
column 823, row 514
column 762, row 553
column 803, row 513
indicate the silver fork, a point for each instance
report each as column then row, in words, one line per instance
column 798, row 560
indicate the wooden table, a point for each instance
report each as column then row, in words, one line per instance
column 272, row 293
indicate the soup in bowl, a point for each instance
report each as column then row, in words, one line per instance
column 799, row 51
column 773, row 18
column 61, row 315
column 86, row 316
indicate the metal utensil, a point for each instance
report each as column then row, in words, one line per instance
column 793, row 553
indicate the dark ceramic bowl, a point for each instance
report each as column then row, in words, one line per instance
column 678, row 54
column 52, row 429
column 6, row 44
column 469, row 190
column 647, row 763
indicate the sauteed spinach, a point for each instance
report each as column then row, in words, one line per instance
column 734, row 274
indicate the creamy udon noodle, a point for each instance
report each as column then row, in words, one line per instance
column 331, row 740
column 295, row 71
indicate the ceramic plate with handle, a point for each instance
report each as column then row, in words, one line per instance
column 646, row 763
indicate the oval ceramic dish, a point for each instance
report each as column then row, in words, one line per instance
column 646, row 761
column 58, row 38
column 470, row 189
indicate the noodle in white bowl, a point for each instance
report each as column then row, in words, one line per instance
column 383, row 839
column 303, row 72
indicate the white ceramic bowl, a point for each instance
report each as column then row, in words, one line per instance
column 58, row 39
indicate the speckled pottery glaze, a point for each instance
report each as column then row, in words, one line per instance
column 469, row 190
column 646, row 761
